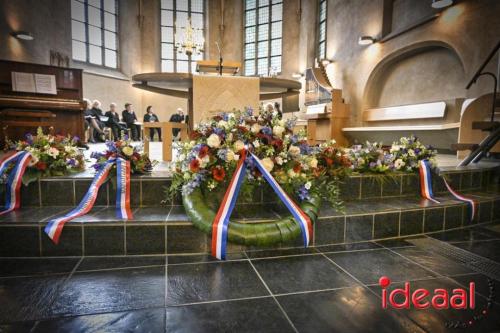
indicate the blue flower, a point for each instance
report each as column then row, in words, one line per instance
column 303, row 193
column 267, row 130
column 249, row 111
column 29, row 138
column 222, row 154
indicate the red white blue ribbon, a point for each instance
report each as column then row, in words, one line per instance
column 54, row 227
column 471, row 203
column 426, row 187
column 221, row 221
column 14, row 179
column 426, row 181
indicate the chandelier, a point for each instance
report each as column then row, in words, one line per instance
column 189, row 40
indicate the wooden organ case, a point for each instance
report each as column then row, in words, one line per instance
column 24, row 106
column 326, row 112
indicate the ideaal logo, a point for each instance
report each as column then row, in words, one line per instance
column 440, row 299
column 422, row 298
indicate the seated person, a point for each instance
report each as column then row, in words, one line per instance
column 113, row 122
column 177, row 117
column 129, row 117
column 91, row 122
column 150, row 117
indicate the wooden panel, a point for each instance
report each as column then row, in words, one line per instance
column 412, row 111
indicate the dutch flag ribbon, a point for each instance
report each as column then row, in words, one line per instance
column 426, row 188
column 14, row 179
column 54, row 227
column 221, row 221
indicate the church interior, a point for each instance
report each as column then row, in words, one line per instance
column 249, row 165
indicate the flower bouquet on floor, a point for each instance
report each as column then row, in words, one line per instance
column 50, row 155
column 408, row 152
column 139, row 161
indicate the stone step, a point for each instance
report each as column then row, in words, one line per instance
column 147, row 191
column 167, row 230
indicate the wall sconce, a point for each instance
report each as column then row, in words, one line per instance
column 437, row 4
column 24, row 35
column 366, row 40
column 297, row 75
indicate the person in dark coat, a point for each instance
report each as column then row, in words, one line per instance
column 129, row 117
column 97, row 115
column 150, row 117
column 277, row 107
column 177, row 117
column 113, row 122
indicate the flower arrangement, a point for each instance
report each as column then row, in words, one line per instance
column 51, row 155
column 139, row 161
column 210, row 158
column 404, row 155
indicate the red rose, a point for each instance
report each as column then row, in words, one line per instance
column 203, row 152
column 41, row 165
column 218, row 173
column 297, row 168
column 278, row 143
column 329, row 161
column 194, row 165
column 194, row 135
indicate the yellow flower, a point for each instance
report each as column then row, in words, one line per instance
column 128, row 151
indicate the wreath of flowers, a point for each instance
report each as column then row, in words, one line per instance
column 51, row 155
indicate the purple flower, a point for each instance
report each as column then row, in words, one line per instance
column 29, row 138
column 71, row 162
column 96, row 155
column 249, row 111
column 267, row 130
column 303, row 193
column 76, row 139
column 373, row 164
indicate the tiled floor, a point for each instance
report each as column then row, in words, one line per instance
column 323, row 289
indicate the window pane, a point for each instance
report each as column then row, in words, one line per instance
column 94, row 16
column 109, row 22
column 181, row 56
column 95, row 3
column 110, row 58
column 79, row 51
column 250, row 34
column 250, row 18
column 77, row 11
column 322, row 11
column 182, row 66
column 277, row 11
column 110, row 6
column 110, row 40
column 95, row 36
column 263, row 32
column 181, row 19
column 250, row 51
column 167, row 65
column 276, row 30
column 167, row 34
column 250, row 4
column 262, row 67
column 95, row 54
column 249, row 67
column 276, row 64
column 276, row 47
column 167, row 4
column 181, row 5
column 78, row 30
column 262, row 49
column 197, row 56
column 197, row 20
column 263, row 3
column 167, row 18
column 167, row 51
column 322, row 51
column 264, row 15
column 197, row 6
column 322, row 32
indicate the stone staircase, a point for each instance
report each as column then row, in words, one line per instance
column 374, row 210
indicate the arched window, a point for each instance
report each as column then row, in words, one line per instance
column 176, row 14
column 94, row 30
column 322, row 29
column 263, row 36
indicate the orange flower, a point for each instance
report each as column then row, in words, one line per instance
column 297, row 168
column 203, row 152
column 218, row 173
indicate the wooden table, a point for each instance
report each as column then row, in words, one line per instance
column 166, row 132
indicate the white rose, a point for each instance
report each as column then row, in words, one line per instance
column 256, row 144
column 411, row 152
column 222, row 124
column 267, row 163
column 278, row 130
column 307, row 185
column 279, row 160
column 255, row 128
column 294, row 151
column 239, row 145
column 398, row 164
column 313, row 163
column 236, row 157
column 213, row 141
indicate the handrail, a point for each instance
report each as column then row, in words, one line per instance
column 478, row 73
